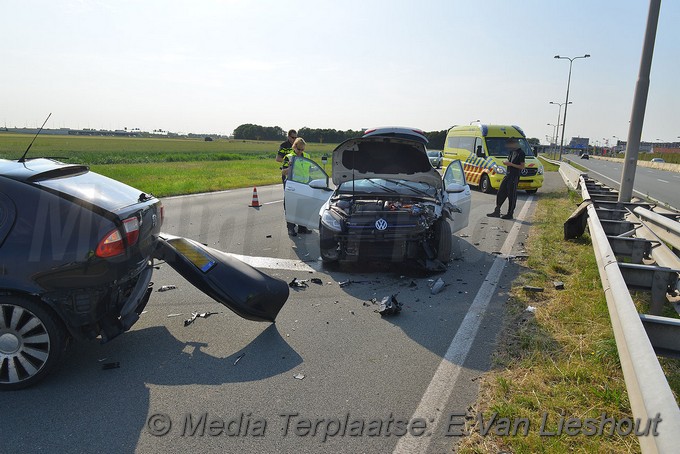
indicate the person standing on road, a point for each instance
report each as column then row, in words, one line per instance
column 298, row 150
column 285, row 148
column 508, row 188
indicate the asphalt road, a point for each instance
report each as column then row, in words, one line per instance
column 329, row 355
column 659, row 184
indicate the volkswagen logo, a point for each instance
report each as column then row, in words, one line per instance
column 381, row 224
column 524, row 171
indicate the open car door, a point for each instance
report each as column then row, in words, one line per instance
column 459, row 194
column 305, row 192
column 245, row 290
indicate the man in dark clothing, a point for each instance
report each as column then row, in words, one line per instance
column 285, row 148
column 508, row 188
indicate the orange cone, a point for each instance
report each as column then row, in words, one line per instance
column 255, row 203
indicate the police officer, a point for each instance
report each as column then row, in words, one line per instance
column 298, row 150
column 285, row 148
column 508, row 188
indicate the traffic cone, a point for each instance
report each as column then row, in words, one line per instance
column 255, row 203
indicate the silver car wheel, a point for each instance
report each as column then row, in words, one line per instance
column 24, row 344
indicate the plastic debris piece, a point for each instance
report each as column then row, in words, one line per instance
column 107, row 366
column 316, row 280
column 195, row 315
column 531, row 309
column 298, row 377
column 530, row 288
column 268, row 236
column 559, row 285
column 238, row 358
column 298, row 283
column 389, row 306
column 437, row 287
column 174, row 315
column 350, row 281
column 165, row 288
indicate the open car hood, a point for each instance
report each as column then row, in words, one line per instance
column 245, row 290
column 383, row 157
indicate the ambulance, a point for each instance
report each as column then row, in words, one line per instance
column 481, row 149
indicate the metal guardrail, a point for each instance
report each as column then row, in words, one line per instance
column 648, row 390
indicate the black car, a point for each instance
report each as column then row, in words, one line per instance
column 76, row 259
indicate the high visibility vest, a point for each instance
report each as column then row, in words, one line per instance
column 301, row 170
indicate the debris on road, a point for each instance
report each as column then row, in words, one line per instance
column 389, row 306
column 350, row 281
column 299, row 377
column 316, row 280
column 529, row 288
column 195, row 315
column 174, row 315
column 107, row 366
column 559, row 285
column 298, row 283
column 434, row 265
column 531, row 309
column 165, row 288
column 437, row 287
column 238, row 358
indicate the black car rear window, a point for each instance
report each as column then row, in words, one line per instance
column 96, row 189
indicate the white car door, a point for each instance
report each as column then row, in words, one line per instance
column 459, row 194
column 306, row 190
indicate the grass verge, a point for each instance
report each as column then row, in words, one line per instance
column 175, row 178
column 561, row 360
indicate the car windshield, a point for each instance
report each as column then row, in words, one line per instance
column 496, row 146
column 382, row 186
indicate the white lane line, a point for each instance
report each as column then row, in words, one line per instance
column 663, row 181
column 444, row 380
column 275, row 201
column 277, row 264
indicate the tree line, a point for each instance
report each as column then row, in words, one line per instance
column 256, row 132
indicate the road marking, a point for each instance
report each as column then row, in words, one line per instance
column 663, row 181
column 275, row 201
column 444, row 379
column 277, row 264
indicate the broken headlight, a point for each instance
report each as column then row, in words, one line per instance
column 331, row 221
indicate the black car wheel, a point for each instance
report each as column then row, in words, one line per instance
column 32, row 342
column 485, row 185
column 444, row 241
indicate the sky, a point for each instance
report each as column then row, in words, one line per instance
column 208, row 66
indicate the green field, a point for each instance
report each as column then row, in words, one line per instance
column 163, row 166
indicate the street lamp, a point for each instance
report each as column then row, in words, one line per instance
column 553, row 138
column 566, row 101
column 559, row 112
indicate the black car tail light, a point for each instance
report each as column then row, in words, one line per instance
column 112, row 244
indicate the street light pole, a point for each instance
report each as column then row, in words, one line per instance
column 566, row 101
column 559, row 112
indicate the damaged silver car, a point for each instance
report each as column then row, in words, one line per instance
column 384, row 201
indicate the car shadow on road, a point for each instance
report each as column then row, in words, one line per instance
column 112, row 388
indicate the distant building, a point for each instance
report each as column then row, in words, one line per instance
column 579, row 143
